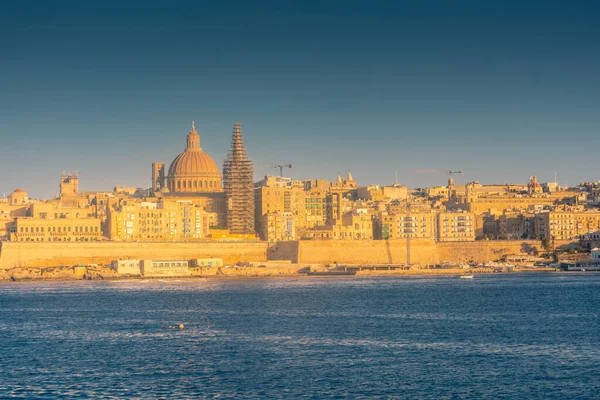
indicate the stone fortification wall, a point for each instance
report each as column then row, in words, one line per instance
column 288, row 250
column 488, row 250
column 40, row 254
column 422, row 252
column 365, row 251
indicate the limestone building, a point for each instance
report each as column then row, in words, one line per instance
column 27, row 229
column 353, row 226
column 277, row 226
column 68, row 217
column 566, row 225
column 279, row 208
column 440, row 226
column 455, row 227
column 419, row 225
column 17, row 204
column 345, row 187
column 167, row 219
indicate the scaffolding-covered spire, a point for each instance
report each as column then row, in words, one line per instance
column 238, row 183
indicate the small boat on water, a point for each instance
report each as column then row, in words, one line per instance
column 466, row 277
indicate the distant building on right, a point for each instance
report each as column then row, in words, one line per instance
column 566, row 225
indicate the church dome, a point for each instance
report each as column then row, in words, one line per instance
column 192, row 163
column 18, row 197
column 193, row 170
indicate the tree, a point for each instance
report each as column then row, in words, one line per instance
column 547, row 245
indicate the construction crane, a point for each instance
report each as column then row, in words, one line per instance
column 449, row 172
column 281, row 166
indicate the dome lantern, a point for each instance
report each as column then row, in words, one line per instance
column 193, row 139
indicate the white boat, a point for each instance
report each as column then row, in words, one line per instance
column 466, row 277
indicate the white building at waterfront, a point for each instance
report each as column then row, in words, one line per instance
column 164, row 268
column 126, row 267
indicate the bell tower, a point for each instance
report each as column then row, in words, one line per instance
column 158, row 176
column 69, row 185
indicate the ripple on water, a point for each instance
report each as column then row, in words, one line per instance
column 496, row 337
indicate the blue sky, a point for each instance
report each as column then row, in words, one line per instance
column 503, row 90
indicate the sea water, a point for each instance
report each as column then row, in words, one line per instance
column 495, row 336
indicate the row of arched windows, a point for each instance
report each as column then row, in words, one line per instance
column 185, row 185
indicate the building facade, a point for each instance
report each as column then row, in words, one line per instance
column 27, row 229
column 455, row 227
column 566, row 225
column 165, row 220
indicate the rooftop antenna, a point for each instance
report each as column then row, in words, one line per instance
column 555, row 180
column 396, row 177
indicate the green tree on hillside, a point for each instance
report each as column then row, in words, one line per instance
column 547, row 245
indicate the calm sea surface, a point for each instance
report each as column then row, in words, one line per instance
column 502, row 336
